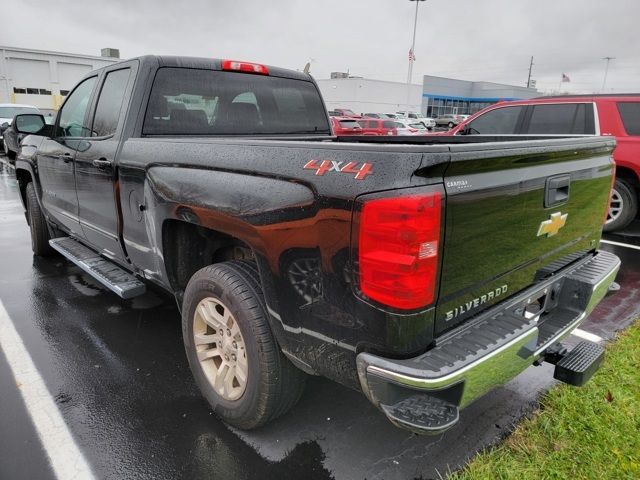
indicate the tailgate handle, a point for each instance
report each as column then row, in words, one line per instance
column 556, row 191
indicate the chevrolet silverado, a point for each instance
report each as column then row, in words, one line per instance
column 423, row 271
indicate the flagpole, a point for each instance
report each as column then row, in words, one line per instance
column 412, row 53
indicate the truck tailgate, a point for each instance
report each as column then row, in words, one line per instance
column 515, row 213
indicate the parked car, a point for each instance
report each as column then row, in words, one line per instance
column 10, row 141
column 612, row 115
column 410, row 127
column 408, row 268
column 10, row 110
column 376, row 115
column 418, row 117
column 345, row 112
column 345, row 126
column 448, row 120
column 377, row 126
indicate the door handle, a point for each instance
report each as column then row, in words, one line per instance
column 557, row 190
column 66, row 158
column 102, row 163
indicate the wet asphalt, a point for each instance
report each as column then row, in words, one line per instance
column 118, row 374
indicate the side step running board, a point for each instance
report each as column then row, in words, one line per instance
column 107, row 273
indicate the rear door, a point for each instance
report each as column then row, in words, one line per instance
column 96, row 171
column 56, row 155
column 513, row 208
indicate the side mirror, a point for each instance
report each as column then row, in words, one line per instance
column 28, row 123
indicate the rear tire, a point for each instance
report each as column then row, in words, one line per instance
column 37, row 224
column 11, row 154
column 225, row 295
column 623, row 206
column 450, row 125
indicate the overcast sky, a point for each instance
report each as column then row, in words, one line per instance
column 489, row 40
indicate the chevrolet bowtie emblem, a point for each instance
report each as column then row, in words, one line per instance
column 553, row 225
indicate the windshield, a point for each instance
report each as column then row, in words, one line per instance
column 10, row 112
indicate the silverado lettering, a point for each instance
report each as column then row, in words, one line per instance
column 226, row 203
column 476, row 302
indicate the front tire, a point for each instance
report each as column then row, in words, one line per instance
column 37, row 224
column 450, row 125
column 623, row 206
column 233, row 355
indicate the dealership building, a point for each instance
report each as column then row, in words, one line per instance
column 42, row 78
column 436, row 95
column 442, row 95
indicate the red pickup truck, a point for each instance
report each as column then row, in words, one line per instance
column 611, row 115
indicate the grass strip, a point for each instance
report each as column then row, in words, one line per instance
column 591, row 432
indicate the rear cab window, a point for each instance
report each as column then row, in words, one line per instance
column 186, row 101
column 630, row 115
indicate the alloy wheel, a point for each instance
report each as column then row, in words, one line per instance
column 220, row 348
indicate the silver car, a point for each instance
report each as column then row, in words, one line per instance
column 450, row 120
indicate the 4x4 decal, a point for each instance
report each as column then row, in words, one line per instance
column 323, row 166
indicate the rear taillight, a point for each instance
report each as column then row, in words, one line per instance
column 398, row 250
column 246, row 67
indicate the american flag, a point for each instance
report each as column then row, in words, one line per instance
column 412, row 56
column 565, row 78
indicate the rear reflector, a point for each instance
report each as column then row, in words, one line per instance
column 246, row 67
column 398, row 250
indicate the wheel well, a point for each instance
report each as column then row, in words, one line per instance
column 188, row 247
column 628, row 175
column 24, row 177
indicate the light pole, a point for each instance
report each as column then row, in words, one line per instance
column 412, row 55
column 606, row 70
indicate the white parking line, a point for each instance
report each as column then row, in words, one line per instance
column 620, row 244
column 592, row 337
column 66, row 458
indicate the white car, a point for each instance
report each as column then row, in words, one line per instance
column 406, row 126
column 417, row 117
column 10, row 110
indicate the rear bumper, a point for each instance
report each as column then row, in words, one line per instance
column 489, row 350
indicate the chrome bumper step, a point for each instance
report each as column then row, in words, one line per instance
column 493, row 348
column 422, row 414
column 115, row 278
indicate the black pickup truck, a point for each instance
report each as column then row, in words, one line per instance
column 423, row 271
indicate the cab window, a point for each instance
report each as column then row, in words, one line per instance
column 74, row 111
column 110, row 103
